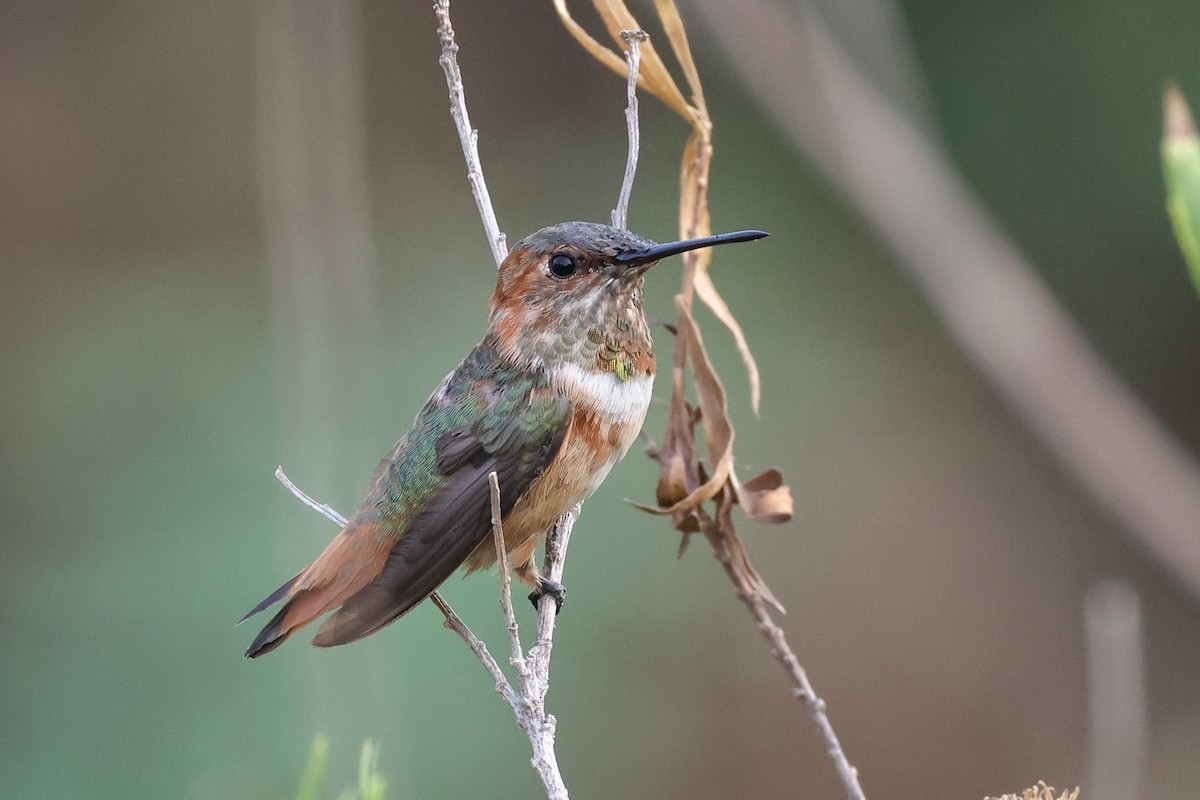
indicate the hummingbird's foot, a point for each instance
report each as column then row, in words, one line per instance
column 545, row 586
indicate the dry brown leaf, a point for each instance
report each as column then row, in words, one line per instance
column 679, row 442
column 676, row 34
column 707, row 291
column 679, row 473
column 765, row 497
column 659, row 82
column 653, row 76
column 693, row 205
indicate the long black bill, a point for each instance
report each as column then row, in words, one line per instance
column 661, row 251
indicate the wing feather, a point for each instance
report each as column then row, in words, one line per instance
column 517, row 440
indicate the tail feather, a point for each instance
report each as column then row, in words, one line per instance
column 350, row 562
column 271, row 636
column 271, row 599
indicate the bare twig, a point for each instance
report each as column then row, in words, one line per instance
column 517, row 658
column 553, row 567
column 634, row 39
column 742, row 575
column 455, row 623
column 322, row 509
column 804, row 690
column 537, row 684
column 534, row 671
column 468, row 136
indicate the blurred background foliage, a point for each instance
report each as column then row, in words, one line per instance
column 156, row 368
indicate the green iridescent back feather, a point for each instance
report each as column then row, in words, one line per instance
column 484, row 389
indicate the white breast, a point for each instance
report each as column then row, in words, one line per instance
column 624, row 403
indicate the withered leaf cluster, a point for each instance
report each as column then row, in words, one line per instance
column 697, row 490
column 1040, row 792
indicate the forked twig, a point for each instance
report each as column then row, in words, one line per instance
column 529, row 704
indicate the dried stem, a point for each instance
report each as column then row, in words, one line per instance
column 634, row 39
column 468, row 136
column 727, row 549
column 804, row 690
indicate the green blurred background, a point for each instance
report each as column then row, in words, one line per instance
column 163, row 346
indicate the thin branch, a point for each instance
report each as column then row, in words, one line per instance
column 468, row 136
column 322, row 509
column 805, row 691
column 517, row 657
column 538, row 684
column 751, row 595
column 634, row 39
column 553, row 567
column 455, row 623
column 534, row 670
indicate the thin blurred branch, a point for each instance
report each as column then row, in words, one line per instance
column 985, row 291
column 467, row 136
column 634, row 39
column 314, row 198
column 1116, row 681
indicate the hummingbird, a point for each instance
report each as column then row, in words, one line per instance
column 550, row 400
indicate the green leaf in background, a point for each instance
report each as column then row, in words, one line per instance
column 1181, row 170
column 371, row 783
column 314, row 770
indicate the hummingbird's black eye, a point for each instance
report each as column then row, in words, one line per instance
column 562, row 266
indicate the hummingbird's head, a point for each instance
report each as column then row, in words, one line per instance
column 574, row 277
